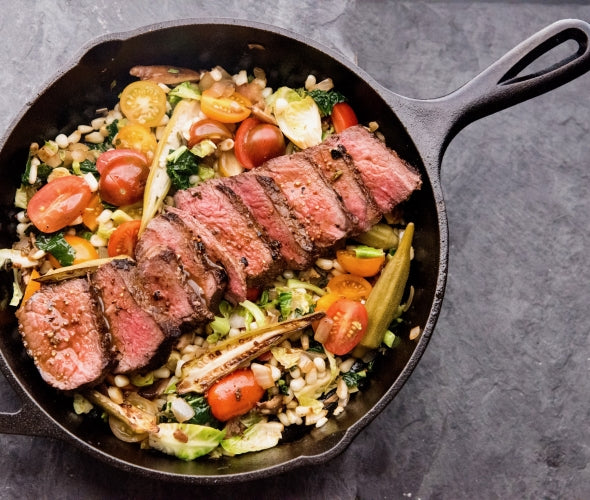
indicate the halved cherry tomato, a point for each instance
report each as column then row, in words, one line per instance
column 131, row 155
column 230, row 109
column 350, row 286
column 360, row 266
column 83, row 250
column 124, row 239
column 91, row 212
column 257, row 142
column 138, row 138
column 234, row 395
column 59, row 203
column 350, row 324
column 143, row 102
column 123, row 180
column 253, row 293
column 208, row 129
column 343, row 116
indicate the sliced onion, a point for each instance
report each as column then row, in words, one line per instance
column 263, row 375
column 323, row 329
column 182, row 410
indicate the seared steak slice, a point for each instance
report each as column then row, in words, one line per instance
column 312, row 200
column 236, row 287
column 389, row 179
column 161, row 287
column 338, row 169
column 64, row 334
column 169, row 230
column 137, row 339
column 220, row 209
column 269, row 207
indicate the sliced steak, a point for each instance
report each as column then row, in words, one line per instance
column 137, row 339
column 65, row 335
column 339, row 170
column 169, row 230
column 269, row 207
column 389, row 179
column 312, row 200
column 236, row 287
column 161, row 287
column 215, row 205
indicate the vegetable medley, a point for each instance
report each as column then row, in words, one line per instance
column 88, row 195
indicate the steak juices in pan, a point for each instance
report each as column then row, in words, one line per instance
column 213, row 260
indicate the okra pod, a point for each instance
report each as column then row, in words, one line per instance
column 384, row 301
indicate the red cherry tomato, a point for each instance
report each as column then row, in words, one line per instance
column 123, row 178
column 124, row 239
column 343, row 116
column 59, row 203
column 350, row 324
column 208, row 129
column 112, row 155
column 234, row 395
column 257, row 142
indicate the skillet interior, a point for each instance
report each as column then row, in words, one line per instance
column 94, row 82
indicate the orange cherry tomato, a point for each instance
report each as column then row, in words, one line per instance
column 138, row 138
column 360, row 266
column 83, row 250
column 124, row 239
column 350, row 286
column 350, row 321
column 343, row 116
column 91, row 212
column 257, row 142
column 234, row 395
column 208, row 129
column 32, row 286
column 143, row 102
column 59, row 203
column 123, row 179
column 226, row 109
column 325, row 301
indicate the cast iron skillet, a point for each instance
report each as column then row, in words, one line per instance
column 419, row 130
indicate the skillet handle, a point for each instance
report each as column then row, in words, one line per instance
column 434, row 122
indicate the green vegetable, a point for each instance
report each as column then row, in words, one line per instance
column 23, row 195
column 17, row 293
column 383, row 303
column 204, row 148
column 81, row 404
column 185, row 441
column 256, row 312
column 365, row 252
column 284, row 303
column 199, row 404
column 181, row 164
column 186, row 90
column 260, row 436
column 220, row 326
column 87, row 166
column 139, row 380
column 325, row 99
column 379, row 236
column 298, row 117
column 57, row 246
column 293, row 283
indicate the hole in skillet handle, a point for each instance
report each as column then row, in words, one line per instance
column 550, row 55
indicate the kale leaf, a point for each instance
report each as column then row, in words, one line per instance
column 181, row 166
column 56, row 245
column 325, row 99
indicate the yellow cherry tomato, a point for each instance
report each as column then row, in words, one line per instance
column 231, row 109
column 143, row 102
column 136, row 137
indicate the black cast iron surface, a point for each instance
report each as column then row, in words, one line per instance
column 497, row 406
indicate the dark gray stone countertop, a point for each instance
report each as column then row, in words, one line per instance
column 498, row 407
